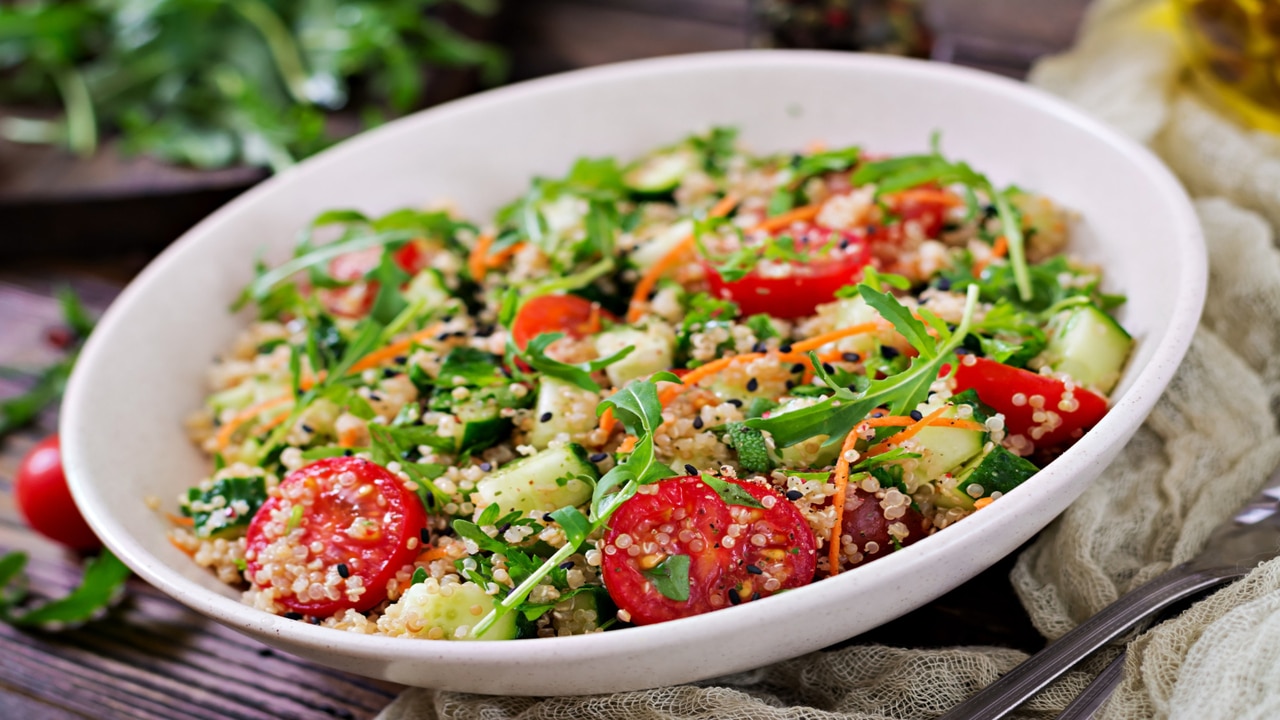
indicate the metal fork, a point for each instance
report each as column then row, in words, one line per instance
column 1251, row 536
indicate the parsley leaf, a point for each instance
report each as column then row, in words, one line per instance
column 671, row 577
column 730, row 493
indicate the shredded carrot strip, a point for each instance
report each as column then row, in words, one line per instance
column 347, row 438
column 496, row 259
column 841, row 478
column 651, row 276
column 628, row 444
column 477, row 259
column 179, row 520
column 803, row 213
column 174, row 542
column 998, row 250
column 228, row 429
column 929, row 194
column 431, row 554
column 272, row 423
column 982, row 502
column 908, row 432
column 818, row 341
column 607, row 421
column 905, row 421
column 393, row 350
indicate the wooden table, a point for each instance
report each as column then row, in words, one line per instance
column 151, row 657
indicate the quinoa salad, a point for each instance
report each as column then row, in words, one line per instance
column 651, row 388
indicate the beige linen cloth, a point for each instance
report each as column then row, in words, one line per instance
column 1206, row 448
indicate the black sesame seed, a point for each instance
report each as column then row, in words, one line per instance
column 691, row 470
column 598, row 457
column 344, row 571
column 797, row 368
column 943, row 283
column 293, row 616
column 400, row 359
column 827, row 368
column 389, row 373
column 307, row 429
column 794, row 495
column 791, row 384
column 889, row 352
column 505, row 527
column 754, row 570
column 443, row 336
column 697, row 422
column 755, row 596
column 871, row 229
column 314, row 619
column 785, row 348
column 566, row 565
column 734, row 598
column 486, row 466
column 446, row 318
column 916, row 415
column 423, row 535
column 546, row 417
column 375, row 397
column 759, row 347
column 844, row 244
column 347, row 453
column 962, row 351
column 735, row 402
column 753, row 385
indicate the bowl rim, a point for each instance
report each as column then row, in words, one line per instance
column 1125, row 415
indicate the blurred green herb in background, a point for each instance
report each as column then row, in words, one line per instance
column 213, row 83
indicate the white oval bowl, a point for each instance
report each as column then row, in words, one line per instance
column 143, row 370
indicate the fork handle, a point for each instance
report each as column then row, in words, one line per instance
column 1016, row 686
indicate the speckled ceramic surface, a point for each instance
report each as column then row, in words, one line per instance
column 142, row 370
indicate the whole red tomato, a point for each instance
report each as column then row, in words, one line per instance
column 40, row 490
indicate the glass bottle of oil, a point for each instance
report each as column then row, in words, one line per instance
column 1235, row 51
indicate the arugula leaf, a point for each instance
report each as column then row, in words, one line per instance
column 575, row 524
column 103, row 581
column 74, row 313
column 836, row 415
column 575, row 374
column 804, row 167
column 671, row 577
column 470, row 367
column 271, row 279
column 389, row 302
column 730, row 493
column 21, row 409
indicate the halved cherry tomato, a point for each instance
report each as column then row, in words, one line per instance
column 864, row 521
column 361, row 516
column 356, row 299
column 1030, row 401
column 572, row 315
column 40, row 489
column 736, row 553
column 804, row 287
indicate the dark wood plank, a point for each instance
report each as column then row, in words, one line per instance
column 150, row 657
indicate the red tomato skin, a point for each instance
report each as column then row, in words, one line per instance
column 40, row 490
column 333, row 509
column 569, row 314
column 864, row 521
column 412, row 257
column 996, row 385
column 715, row 571
column 798, row 294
